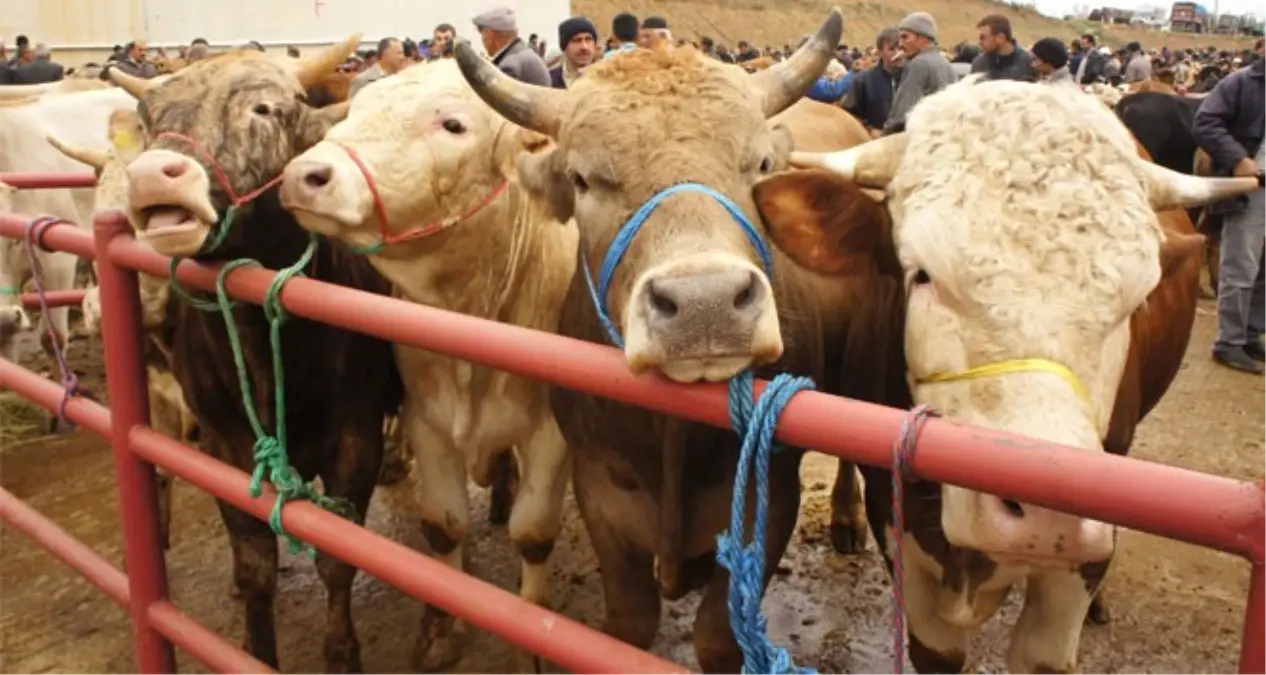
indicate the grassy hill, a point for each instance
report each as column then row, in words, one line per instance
column 775, row 22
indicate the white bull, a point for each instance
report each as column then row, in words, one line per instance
column 78, row 119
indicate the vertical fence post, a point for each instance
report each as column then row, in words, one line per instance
column 1253, row 647
column 129, row 407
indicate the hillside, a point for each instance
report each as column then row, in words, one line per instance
column 775, row 22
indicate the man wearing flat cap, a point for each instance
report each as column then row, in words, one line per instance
column 499, row 30
column 578, row 39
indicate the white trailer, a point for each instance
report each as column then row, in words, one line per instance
column 85, row 30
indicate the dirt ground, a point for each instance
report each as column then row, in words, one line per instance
column 1176, row 607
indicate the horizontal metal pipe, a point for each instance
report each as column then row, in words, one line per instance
column 48, row 395
column 202, row 643
column 60, row 237
column 205, row 645
column 572, row 645
column 43, row 180
column 71, row 298
column 64, row 547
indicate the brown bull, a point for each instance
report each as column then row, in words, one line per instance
column 1021, row 309
column 691, row 299
column 220, row 128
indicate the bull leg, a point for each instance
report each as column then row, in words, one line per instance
column 441, row 491
column 715, row 647
column 395, row 463
column 936, row 646
column 255, row 576
column 848, row 515
column 629, row 589
column 164, row 507
column 537, row 514
column 1046, row 637
column 504, row 476
column 351, row 476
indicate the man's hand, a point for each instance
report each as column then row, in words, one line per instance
column 876, row 133
column 1245, row 167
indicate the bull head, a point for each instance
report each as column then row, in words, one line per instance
column 540, row 108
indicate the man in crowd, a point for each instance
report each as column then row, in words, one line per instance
column 134, row 61
column 579, row 41
column 1092, row 64
column 1000, row 57
column 926, row 70
column 654, row 31
column 624, row 32
column 1050, row 63
column 1229, row 127
column 499, row 30
column 870, row 98
column 390, row 61
column 1138, row 67
column 38, row 68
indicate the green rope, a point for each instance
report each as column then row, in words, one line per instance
column 9, row 290
column 271, row 459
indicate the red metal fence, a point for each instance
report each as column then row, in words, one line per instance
column 1212, row 511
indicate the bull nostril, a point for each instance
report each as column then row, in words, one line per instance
column 661, row 303
column 318, row 177
column 175, row 169
column 747, row 296
column 1013, row 507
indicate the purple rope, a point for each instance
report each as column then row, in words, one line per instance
column 35, row 237
column 903, row 470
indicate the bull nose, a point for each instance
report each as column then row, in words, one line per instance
column 1024, row 530
column 158, row 175
column 318, row 175
column 306, row 181
column 716, row 306
column 175, row 169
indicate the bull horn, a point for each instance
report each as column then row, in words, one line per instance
column 136, row 86
column 93, row 158
column 529, row 106
column 784, row 84
column 869, row 165
column 1168, row 189
column 312, row 69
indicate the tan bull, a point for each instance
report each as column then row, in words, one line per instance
column 421, row 174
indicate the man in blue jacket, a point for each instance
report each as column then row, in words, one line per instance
column 1229, row 126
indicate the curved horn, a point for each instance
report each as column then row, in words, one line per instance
column 784, row 83
column 93, row 158
column 529, row 106
column 314, row 68
column 870, row 165
column 1168, row 189
column 136, row 86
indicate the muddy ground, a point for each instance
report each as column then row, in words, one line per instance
column 1177, row 608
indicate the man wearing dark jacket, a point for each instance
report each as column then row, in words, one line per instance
column 40, row 70
column 1000, row 57
column 1229, row 126
column 870, row 98
column 578, row 38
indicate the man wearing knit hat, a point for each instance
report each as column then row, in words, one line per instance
column 1050, row 62
column 579, row 41
column 926, row 71
column 499, row 31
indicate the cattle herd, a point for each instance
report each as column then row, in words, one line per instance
column 986, row 262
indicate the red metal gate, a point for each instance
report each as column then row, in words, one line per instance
column 1214, row 512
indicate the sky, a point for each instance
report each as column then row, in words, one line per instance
column 1062, row 7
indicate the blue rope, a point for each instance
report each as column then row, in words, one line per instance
column 756, row 423
column 620, row 246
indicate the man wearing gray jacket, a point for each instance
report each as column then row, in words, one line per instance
column 926, row 71
column 499, row 30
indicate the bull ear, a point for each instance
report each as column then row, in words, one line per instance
column 1177, row 250
column 316, row 122
column 823, row 222
column 544, row 177
column 784, row 143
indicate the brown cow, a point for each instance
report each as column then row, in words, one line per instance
column 988, row 261
column 691, row 299
column 241, row 114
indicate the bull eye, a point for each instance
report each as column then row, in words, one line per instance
column 921, row 277
column 578, row 181
column 454, row 127
column 262, row 109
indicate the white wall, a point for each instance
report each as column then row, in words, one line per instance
column 94, row 24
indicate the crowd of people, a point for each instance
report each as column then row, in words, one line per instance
column 879, row 84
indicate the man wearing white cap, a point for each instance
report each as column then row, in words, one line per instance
column 499, row 30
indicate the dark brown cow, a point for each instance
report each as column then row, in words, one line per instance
column 985, row 262
column 244, row 112
column 691, row 300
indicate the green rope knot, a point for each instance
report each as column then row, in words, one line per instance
column 272, row 462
